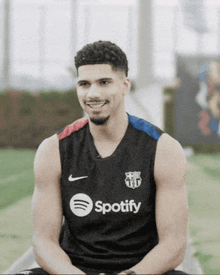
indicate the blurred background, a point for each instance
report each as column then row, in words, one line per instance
column 173, row 48
column 170, row 44
column 40, row 38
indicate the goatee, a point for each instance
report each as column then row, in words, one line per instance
column 99, row 121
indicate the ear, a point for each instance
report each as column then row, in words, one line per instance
column 127, row 85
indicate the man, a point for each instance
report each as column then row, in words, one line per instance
column 118, row 181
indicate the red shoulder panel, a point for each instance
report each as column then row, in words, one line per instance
column 75, row 126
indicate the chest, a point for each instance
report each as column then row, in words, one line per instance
column 119, row 186
column 106, row 149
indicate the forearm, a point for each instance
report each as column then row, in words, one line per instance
column 52, row 258
column 165, row 256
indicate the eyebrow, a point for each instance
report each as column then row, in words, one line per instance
column 106, row 79
column 101, row 79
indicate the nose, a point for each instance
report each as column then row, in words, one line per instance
column 94, row 92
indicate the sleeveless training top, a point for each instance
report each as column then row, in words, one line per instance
column 108, row 203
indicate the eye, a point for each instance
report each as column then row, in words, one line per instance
column 84, row 84
column 104, row 82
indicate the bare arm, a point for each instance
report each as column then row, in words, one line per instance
column 171, row 209
column 47, row 210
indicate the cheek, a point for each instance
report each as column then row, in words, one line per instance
column 80, row 94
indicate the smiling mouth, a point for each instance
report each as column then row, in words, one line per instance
column 96, row 104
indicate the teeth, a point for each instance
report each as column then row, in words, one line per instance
column 96, row 106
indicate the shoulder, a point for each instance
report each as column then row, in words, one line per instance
column 47, row 158
column 145, row 126
column 71, row 128
column 170, row 159
column 169, row 147
column 48, row 145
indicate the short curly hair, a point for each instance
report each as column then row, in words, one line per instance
column 102, row 52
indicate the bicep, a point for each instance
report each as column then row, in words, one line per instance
column 46, row 202
column 171, row 195
column 171, row 213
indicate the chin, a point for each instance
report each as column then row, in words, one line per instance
column 99, row 120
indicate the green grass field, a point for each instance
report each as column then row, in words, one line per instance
column 17, row 184
column 16, row 177
column 16, row 188
column 203, row 181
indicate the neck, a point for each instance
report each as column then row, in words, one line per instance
column 112, row 131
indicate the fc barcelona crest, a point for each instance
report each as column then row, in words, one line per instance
column 133, row 179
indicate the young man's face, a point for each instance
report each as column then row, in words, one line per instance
column 101, row 91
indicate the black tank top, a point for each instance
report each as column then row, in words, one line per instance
column 108, row 203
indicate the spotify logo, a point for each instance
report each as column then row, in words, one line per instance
column 81, row 205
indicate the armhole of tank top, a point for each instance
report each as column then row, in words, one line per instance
column 153, row 157
column 61, row 152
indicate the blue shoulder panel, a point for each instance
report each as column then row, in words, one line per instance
column 144, row 126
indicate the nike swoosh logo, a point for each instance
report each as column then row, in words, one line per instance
column 74, row 179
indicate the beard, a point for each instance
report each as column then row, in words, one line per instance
column 99, row 121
